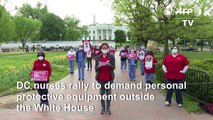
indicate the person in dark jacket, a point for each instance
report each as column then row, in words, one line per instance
column 123, row 54
column 104, row 67
column 42, row 65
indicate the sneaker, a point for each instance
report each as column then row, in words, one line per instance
column 79, row 79
column 90, row 69
column 108, row 111
column 87, row 69
column 180, row 105
column 103, row 111
column 167, row 103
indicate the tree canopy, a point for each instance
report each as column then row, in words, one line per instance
column 158, row 19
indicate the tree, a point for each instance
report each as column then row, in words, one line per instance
column 52, row 26
column 73, row 31
column 7, row 27
column 157, row 19
column 84, row 31
column 28, row 11
column 73, row 34
column 26, row 28
column 120, row 36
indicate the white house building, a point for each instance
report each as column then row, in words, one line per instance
column 103, row 31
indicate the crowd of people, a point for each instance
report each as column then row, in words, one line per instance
column 174, row 65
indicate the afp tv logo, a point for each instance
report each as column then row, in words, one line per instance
column 183, row 11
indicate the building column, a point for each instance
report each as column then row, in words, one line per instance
column 107, row 34
column 102, row 35
column 96, row 34
column 113, row 36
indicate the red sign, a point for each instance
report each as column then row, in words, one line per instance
column 86, row 45
column 123, row 54
column 39, row 75
column 71, row 57
column 132, row 56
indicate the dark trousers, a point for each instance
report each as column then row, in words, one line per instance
column 178, row 92
column 42, row 90
column 89, row 63
column 107, row 92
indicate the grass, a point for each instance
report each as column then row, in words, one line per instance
column 17, row 67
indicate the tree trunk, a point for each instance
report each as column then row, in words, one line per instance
column 173, row 42
column 201, row 48
column 23, row 44
column 166, row 46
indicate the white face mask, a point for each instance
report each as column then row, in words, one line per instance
column 40, row 58
column 104, row 51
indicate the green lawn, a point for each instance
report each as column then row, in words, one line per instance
column 17, row 67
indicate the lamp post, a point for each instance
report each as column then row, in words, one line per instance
column 60, row 35
column 37, row 32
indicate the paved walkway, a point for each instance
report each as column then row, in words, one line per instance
column 121, row 110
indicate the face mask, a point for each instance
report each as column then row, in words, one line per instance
column 40, row 58
column 80, row 48
column 174, row 51
column 104, row 51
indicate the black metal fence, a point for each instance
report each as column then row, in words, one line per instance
column 199, row 87
column 198, row 84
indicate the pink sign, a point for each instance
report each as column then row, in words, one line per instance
column 123, row 54
column 132, row 56
column 71, row 56
column 96, row 52
column 39, row 75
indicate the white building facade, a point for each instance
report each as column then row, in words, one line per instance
column 104, row 31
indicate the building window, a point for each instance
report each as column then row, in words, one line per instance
column 99, row 37
column 93, row 37
column 110, row 38
column 89, row 37
column 93, row 31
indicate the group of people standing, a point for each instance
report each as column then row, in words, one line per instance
column 80, row 57
column 146, row 59
column 174, row 65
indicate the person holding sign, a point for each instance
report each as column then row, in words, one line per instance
column 141, row 56
column 71, row 58
column 175, row 66
column 80, row 59
column 96, row 51
column 123, row 54
column 149, row 67
column 40, row 74
column 89, row 60
column 104, row 67
column 111, row 50
column 132, row 65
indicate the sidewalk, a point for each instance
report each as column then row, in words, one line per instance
column 121, row 110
